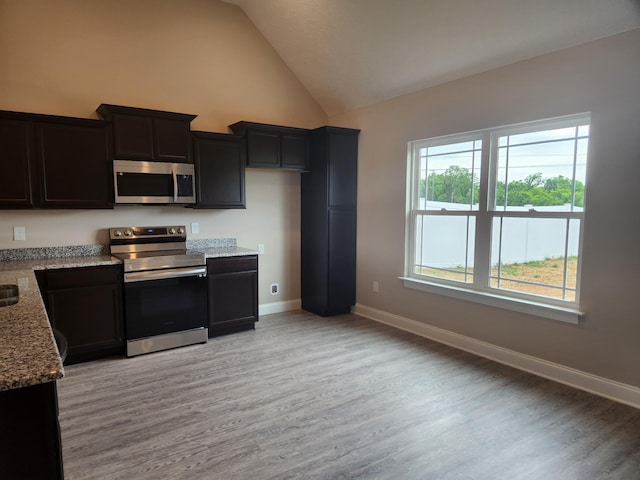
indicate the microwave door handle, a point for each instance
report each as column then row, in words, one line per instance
column 175, row 185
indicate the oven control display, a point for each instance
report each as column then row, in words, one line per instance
column 144, row 231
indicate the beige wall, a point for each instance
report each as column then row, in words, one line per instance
column 193, row 56
column 601, row 77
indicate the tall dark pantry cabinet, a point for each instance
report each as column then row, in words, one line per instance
column 328, row 224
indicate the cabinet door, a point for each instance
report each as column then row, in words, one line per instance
column 343, row 169
column 85, row 304
column 90, row 318
column 171, row 140
column 295, row 151
column 263, row 149
column 74, row 166
column 342, row 261
column 219, row 161
column 30, row 445
column 133, row 137
column 233, row 293
column 16, row 151
column 232, row 300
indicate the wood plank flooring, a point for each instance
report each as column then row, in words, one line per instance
column 305, row 397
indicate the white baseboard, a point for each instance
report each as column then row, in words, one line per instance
column 601, row 386
column 279, row 307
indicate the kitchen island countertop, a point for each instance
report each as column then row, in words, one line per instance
column 28, row 352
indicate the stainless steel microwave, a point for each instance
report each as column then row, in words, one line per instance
column 153, row 182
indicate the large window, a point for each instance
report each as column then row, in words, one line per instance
column 499, row 212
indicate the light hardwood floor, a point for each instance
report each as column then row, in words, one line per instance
column 334, row 398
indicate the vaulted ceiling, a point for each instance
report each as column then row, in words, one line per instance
column 354, row 53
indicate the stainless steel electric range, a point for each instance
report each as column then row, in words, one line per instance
column 165, row 288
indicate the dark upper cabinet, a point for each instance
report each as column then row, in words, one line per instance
column 263, row 149
column 273, row 146
column 152, row 135
column 69, row 294
column 17, row 161
column 294, row 150
column 54, row 162
column 233, row 293
column 132, row 137
column 74, row 165
column 172, row 138
column 328, row 223
column 219, row 161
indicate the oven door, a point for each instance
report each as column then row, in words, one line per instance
column 165, row 305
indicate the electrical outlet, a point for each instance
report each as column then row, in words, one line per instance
column 261, row 248
column 375, row 287
column 19, row 233
column 275, row 289
column 195, row 227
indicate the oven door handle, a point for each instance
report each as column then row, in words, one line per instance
column 165, row 274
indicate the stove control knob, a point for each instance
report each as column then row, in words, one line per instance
column 128, row 233
column 117, row 233
column 172, row 231
column 180, row 230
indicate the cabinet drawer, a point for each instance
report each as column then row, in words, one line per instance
column 232, row 264
column 83, row 276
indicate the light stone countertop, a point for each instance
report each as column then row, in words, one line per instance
column 219, row 247
column 28, row 352
column 59, row 262
column 234, row 251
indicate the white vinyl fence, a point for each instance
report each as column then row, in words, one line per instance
column 442, row 241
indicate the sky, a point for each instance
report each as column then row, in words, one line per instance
column 549, row 152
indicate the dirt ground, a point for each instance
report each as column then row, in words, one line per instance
column 548, row 272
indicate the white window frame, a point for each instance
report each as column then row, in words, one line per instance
column 480, row 290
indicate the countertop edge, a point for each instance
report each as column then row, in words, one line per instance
column 28, row 351
column 218, row 252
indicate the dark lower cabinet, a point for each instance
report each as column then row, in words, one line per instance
column 341, row 253
column 85, row 304
column 30, row 445
column 328, row 223
column 233, row 294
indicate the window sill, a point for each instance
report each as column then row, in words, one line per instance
column 552, row 312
